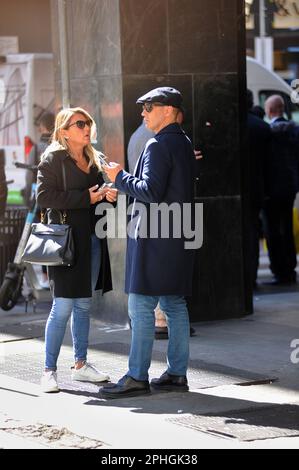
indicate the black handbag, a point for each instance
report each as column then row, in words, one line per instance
column 50, row 244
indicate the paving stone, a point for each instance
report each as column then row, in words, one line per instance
column 249, row 424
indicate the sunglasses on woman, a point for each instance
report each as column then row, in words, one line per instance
column 80, row 124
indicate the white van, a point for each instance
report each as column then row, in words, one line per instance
column 263, row 83
column 26, row 91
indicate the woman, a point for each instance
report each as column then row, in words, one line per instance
column 78, row 194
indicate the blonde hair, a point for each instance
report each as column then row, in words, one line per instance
column 58, row 141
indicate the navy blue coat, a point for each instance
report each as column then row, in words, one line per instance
column 259, row 144
column 164, row 173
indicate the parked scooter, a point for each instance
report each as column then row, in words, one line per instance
column 17, row 271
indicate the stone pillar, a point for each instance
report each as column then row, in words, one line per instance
column 120, row 49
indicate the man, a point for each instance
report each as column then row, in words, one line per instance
column 281, row 186
column 157, row 269
column 136, row 145
column 259, row 144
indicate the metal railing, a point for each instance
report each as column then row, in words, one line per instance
column 11, row 226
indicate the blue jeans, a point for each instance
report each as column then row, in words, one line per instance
column 62, row 308
column 141, row 313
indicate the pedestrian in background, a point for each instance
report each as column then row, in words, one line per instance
column 281, row 186
column 136, row 145
column 257, row 110
column 259, row 146
column 45, row 128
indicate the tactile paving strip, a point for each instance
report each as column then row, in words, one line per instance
column 112, row 359
column 200, row 374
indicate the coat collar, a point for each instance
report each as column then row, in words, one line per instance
column 171, row 129
column 278, row 119
column 63, row 154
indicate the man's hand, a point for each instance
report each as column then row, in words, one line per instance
column 112, row 170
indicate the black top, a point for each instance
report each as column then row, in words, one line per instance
column 90, row 181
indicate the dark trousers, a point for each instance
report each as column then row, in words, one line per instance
column 255, row 232
column 278, row 226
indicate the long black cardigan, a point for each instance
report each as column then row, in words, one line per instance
column 75, row 281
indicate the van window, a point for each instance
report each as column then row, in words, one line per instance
column 292, row 109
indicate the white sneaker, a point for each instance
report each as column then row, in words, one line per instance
column 49, row 382
column 88, row 373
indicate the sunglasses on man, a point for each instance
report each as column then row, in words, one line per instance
column 81, row 124
column 148, row 107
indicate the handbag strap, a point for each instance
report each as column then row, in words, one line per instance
column 63, row 175
column 62, row 214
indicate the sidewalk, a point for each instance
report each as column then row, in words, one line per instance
column 243, row 386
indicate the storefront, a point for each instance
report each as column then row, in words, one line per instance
column 281, row 22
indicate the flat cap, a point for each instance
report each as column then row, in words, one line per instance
column 166, row 95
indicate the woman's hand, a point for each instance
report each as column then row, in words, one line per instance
column 111, row 194
column 198, row 155
column 96, row 194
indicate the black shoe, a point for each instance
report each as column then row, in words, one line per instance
column 170, row 383
column 161, row 332
column 126, row 387
column 281, row 281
